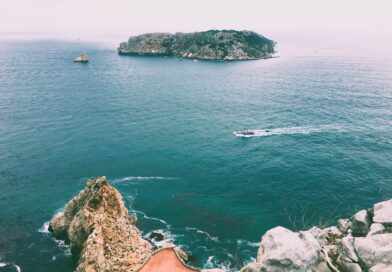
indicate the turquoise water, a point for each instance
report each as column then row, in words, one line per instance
column 161, row 130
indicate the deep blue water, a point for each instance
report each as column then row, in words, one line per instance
column 162, row 131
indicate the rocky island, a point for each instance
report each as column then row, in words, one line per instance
column 206, row 45
column 103, row 237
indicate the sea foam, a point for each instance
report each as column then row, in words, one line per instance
column 151, row 218
column 17, row 267
column 44, row 228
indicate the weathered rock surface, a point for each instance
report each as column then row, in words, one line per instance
column 376, row 228
column 362, row 244
column 105, row 238
column 208, row 45
column 360, row 223
column 344, row 225
column 348, row 259
column 383, row 212
column 100, row 231
column 375, row 250
column 283, row 250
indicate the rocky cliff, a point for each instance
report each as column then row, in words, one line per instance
column 104, row 238
column 362, row 243
column 100, row 231
column 207, row 45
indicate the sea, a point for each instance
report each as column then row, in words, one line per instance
column 161, row 131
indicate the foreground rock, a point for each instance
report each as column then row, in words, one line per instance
column 104, row 238
column 100, row 231
column 284, row 250
column 361, row 244
column 383, row 213
column 208, row 45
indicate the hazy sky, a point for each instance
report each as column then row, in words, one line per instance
column 132, row 17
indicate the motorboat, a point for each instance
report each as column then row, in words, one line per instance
column 244, row 133
column 82, row 58
column 253, row 132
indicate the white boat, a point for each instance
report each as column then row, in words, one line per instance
column 244, row 133
column 82, row 58
column 252, row 132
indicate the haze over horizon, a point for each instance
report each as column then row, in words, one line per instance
column 121, row 17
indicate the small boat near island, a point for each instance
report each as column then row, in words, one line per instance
column 82, row 58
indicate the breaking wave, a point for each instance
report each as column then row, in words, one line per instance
column 168, row 237
column 248, row 243
column 213, row 262
column 247, row 133
column 17, row 267
column 196, row 241
column 44, row 228
column 213, row 238
column 62, row 245
column 151, row 218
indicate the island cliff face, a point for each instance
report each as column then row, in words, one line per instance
column 207, row 45
column 104, row 238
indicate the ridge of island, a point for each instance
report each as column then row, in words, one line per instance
column 205, row 45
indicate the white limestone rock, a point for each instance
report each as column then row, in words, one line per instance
column 344, row 225
column 360, row 223
column 251, row 267
column 380, row 268
column 375, row 251
column 383, row 213
column 348, row 259
column 320, row 235
column 376, row 228
column 282, row 250
column 330, row 235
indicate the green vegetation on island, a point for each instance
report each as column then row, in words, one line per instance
column 208, row 45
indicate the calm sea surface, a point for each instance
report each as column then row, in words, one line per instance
column 161, row 130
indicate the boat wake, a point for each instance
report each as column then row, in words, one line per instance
column 247, row 133
column 137, row 178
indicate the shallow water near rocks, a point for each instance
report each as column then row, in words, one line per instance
column 161, row 130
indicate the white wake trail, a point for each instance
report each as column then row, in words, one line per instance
column 248, row 133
